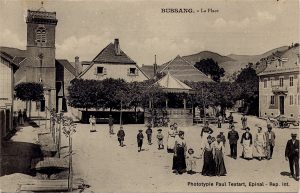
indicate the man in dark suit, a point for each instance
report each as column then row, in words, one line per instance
column 270, row 139
column 233, row 137
column 292, row 155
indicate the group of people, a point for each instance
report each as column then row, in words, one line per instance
column 20, row 117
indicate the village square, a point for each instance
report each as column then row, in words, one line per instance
column 121, row 116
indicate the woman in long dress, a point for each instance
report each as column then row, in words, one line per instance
column 179, row 164
column 171, row 139
column 260, row 144
column 209, row 166
column 205, row 132
column 219, row 152
column 246, row 142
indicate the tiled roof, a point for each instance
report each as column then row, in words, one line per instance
column 184, row 71
column 8, row 58
column 16, row 55
column 149, row 70
column 291, row 65
column 67, row 65
column 108, row 55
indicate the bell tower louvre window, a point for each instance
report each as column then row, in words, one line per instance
column 40, row 35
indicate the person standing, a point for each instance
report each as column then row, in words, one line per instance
column 292, row 155
column 179, row 164
column 24, row 114
column 246, row 142
column 219, row 152
column 92, row 121
column 149, row 134
column 222, row 137
column 220, row 119
column 160, row 139
column 244, row 121
column 111, row 124
column 121, row 136
column 209, row 166
column 190, row 161
column 270, row 141
column 140, row 138
column 171, row 139
column 20, row 118
column 230, row 119
column 260, row 144
column 205, row 132
column 233, row 137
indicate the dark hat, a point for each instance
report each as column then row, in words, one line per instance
column 269, row 126
column 159, row 130
column 209, row 137
column 221, row 132
column 181, row 133
column 247, row 128
column 294, row 134
column 140, row 130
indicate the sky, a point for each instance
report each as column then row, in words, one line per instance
column 84, row 28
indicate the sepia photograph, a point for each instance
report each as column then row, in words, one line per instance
column 149, row 96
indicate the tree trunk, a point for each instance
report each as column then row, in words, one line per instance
column 29, row 114
column 136, row 119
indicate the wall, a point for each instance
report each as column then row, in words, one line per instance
column 114, row 71
column 265, row 109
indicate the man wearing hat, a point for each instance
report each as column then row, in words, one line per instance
column 111, row 124
column 270, row 139
column 160, row 139
column 140, row 138
column 233, row 137
column 149, row 134
column 292, row 155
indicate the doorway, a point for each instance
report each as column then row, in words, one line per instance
column 281, row 105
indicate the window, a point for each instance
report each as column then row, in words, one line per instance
column 272, row 81
column 281, row 82
column 132, row 71
column 291, row 81
column 273, row 100
column 265, row 83
column 291, row 100
column 100, row 70
column 40, row 35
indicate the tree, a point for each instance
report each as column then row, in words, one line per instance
column 210, row 67
column 248, row 82
column 29, row 91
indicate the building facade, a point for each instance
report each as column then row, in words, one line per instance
column 7, row 69
column 279, row 86
column 112, row 62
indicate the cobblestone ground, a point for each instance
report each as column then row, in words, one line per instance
column 107, row 167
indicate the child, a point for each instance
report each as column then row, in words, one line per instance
column 160, row 138
column 149, row 134
column 121, row 135
column 140, row 138
column 191, row 161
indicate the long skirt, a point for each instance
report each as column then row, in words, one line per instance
column 171, row 143
column 179, row 163
column 247, row 149
column 209, row 166
column 220, row 165
column 260, row 150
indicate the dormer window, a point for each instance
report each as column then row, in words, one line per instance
column 40, row 35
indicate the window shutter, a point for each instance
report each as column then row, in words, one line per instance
column 128, row 71
column 95, row 71
column 137, row 71
column 104, row 71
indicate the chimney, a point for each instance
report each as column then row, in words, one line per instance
column 117, row 47
column 155, row 66
column 78, row 66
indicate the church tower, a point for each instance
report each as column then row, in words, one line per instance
column 41, row 51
